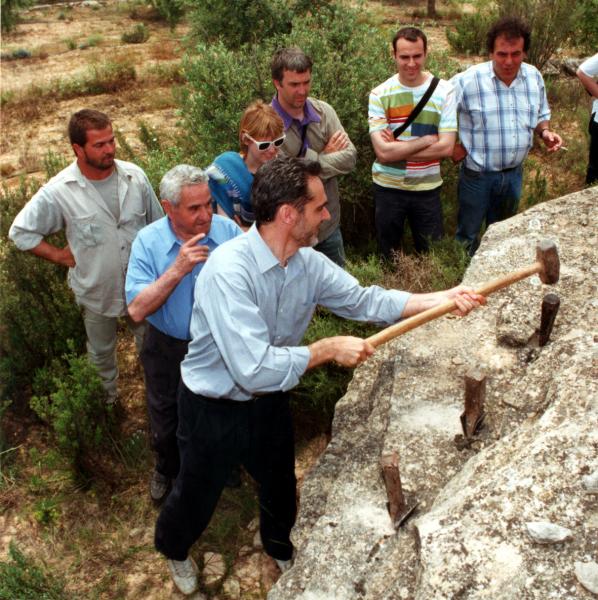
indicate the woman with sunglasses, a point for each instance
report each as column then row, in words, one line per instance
column 231, row 174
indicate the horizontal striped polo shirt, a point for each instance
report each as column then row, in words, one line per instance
column 390, row 105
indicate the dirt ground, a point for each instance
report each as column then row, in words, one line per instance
column 47, row 34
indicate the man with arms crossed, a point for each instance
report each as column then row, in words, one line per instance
column 166, row 259
column 406, row 172
column 101, row 203
column 314, row 131
column 253, row 302
column 500, row 104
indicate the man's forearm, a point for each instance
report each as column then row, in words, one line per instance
column 440, row 149
column 388, row 152
column 151, row 298
column 420, row 302
column 51, row 253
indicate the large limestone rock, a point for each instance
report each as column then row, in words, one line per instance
column 530, row 463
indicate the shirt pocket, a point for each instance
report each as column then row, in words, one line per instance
column 87, row 231
column 136, row 220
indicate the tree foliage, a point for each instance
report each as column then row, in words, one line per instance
column 9, row 13
column 553, row 23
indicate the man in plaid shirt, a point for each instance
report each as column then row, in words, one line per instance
column 500, row 104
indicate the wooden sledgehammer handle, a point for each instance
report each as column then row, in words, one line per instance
column 547, row 266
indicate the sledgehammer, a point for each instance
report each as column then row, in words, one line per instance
column 546, row 266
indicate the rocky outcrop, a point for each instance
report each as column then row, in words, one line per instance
column 532, row 468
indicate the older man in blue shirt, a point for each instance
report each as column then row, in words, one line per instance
column 253, row 302
column 500, row 104
column 166, row 259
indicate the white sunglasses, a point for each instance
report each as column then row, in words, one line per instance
column 265, row 144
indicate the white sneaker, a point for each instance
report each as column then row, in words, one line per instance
column 284, row 565
column 184, row 574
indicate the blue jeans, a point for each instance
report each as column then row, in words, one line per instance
column 333, row 247
column 489, row 196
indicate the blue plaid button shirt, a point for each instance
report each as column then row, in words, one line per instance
column 496, row 121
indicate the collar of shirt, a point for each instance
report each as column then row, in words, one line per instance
column 309, row 114
column 73, row 173
column 521, row 74
column 264, row 257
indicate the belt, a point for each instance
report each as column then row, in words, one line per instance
column 472, row 172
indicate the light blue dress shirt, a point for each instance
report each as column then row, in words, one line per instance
column 250, row 315
column 496, row 121
column 154, row 250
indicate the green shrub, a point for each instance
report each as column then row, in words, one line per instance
column 37, row 310
column 91, row 42
column 171, row 11
column 586, row 34
column 9, row 13
column 469, row 34
column 552, row 23
column 69, row 396
column 22, row 578
column 136, row 35
column 249, row 21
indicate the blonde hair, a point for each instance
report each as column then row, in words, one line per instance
column 261, row 122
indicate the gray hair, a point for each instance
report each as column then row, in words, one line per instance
column 177, row 178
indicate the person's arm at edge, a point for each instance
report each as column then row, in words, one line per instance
column 588, row 82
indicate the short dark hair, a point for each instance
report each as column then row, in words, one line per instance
column 512, row 28
column 291, row 59
column 282, row 180
column 411, row 34
column 83, row 120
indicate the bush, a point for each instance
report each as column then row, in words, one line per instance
column 469, row 35
column 70, row 397
column 37, row 310
column 170, row 10
column 9, row 13
column 552, row 23
column 23, row 579
column 107, row 77
column 91, row 42
column 586, row 36
column 249, row 21
column 136, row 35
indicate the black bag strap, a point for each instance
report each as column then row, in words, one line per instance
column 420, row 105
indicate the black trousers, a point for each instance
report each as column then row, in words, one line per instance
column 214, row 436
column 161, row 358
column 422, row 209
column 592, row 174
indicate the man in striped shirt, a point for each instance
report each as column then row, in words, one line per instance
column 500, row 104
column 406, row 172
